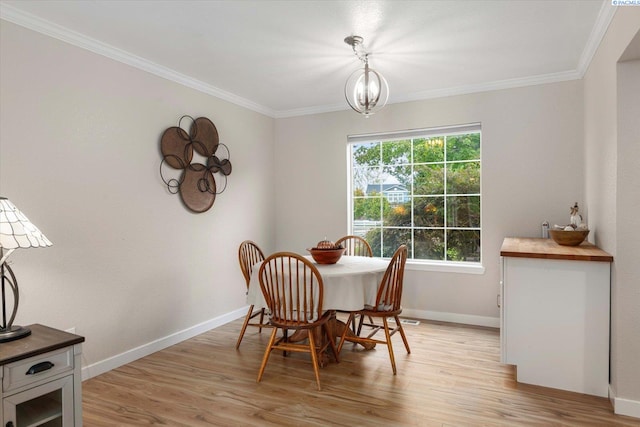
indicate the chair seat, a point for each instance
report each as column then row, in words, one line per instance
column 300, row 324
column 382, row 308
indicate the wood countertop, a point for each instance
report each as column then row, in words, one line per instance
column 548, row 249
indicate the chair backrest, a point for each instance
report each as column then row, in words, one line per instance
column 390, row 291
column 292, row 288
column 355, row 245
column 248, row 255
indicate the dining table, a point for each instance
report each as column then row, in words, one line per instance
column 348, row 285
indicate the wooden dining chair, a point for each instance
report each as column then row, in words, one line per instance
column 387, row 306
column 249, row 254
column 293, row 290
column 355, row 246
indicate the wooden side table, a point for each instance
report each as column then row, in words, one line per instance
column 41, row 379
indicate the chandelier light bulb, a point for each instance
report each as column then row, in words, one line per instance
column 367, row 92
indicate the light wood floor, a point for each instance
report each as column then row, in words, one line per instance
column 453, row 377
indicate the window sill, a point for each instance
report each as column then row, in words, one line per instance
column 445, row 267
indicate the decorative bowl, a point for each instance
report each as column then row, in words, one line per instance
column 326, row 256
column 568, row 238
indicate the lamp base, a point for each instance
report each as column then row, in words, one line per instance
column 14, row 332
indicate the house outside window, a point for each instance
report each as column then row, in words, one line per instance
column 421, row 188
column 395, row 193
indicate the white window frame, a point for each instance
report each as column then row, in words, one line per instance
column 414, row 264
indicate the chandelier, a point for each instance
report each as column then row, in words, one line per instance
column 366, row 90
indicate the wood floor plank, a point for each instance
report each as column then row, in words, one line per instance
column 453, row 377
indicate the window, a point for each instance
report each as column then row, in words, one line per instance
column 420, row 188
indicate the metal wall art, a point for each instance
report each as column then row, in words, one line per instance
column 198, row 180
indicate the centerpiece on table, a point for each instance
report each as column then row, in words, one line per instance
column 326, row 252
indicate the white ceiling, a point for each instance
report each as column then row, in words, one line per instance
column 286, row 58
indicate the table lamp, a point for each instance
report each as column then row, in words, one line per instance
column 16, row 231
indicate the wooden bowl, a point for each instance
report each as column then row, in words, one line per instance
column 326, row 256
column 568, row 238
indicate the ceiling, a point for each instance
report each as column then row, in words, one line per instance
column 288, row 58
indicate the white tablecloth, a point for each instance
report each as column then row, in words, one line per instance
column 348, row 285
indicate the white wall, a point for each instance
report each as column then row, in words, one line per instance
column 612, row 193
column 627, row 301
column 532, row 170
column 79, row 155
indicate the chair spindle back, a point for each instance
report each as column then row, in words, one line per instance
column 292, row 288
column 249, row 254
column 390, row 291
column 355, row 246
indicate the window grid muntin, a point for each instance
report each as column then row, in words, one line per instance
column 411, row 229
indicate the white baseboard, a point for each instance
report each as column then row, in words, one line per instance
column 467, row 319
column 630, row 408
column 146, row 349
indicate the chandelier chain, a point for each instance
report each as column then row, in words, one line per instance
column 362, row 55
column 356, row 43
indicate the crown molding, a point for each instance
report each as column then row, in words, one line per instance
column 605, row 16
column 18, row 17
column 283, row 114
column 491, row 86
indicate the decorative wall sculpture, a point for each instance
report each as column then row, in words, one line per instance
column 196, row 181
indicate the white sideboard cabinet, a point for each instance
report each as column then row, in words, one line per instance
column 554, row 314
column 41, row 381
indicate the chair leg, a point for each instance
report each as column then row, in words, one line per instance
column 244, row 326
column 267, row 352
column 261, row 320
column 285, row 338
column 314, row 357
column 389, row 346
column 344, row 332
column 404, row 337
column 360, row 323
